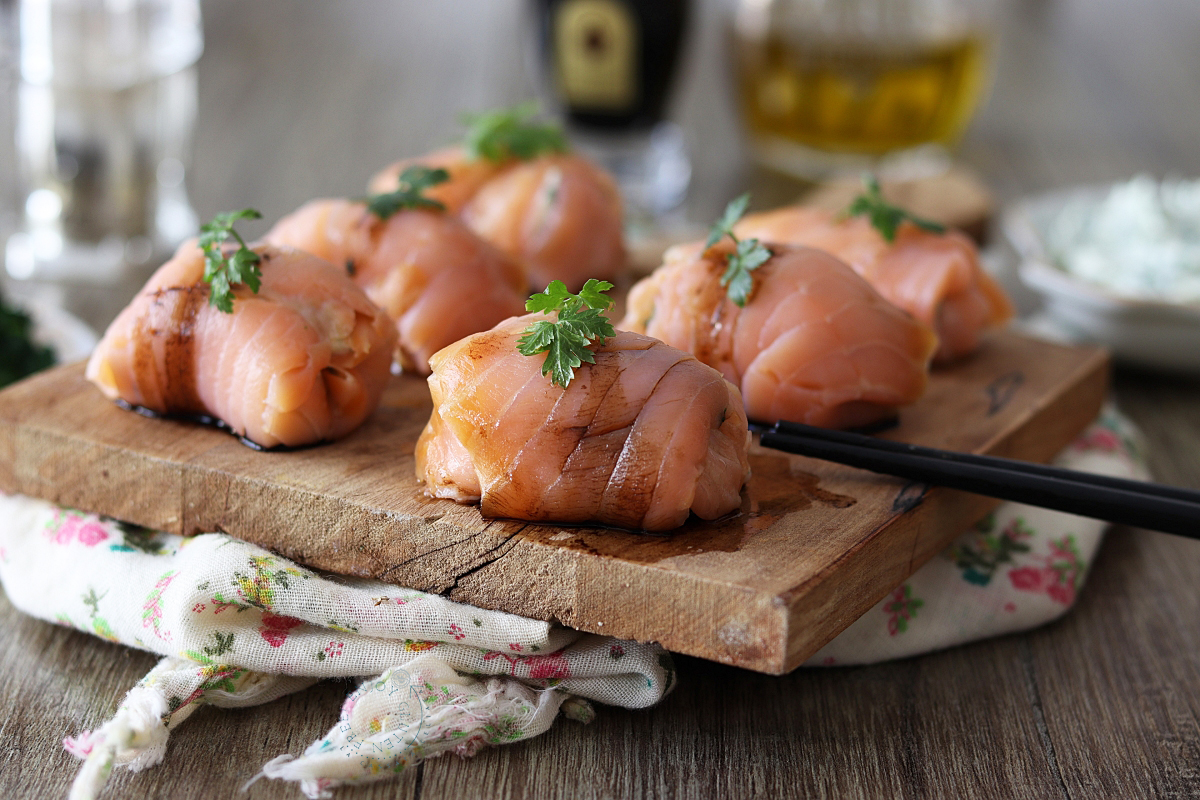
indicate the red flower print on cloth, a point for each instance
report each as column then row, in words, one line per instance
column 551, row 667
column 1028, row 579
column 900, row 608
column 1058, row 576
column 69, row 526
column 1098, row 438
column 456, row 631
column 275, row 627
column 513, row 661
column 334, row 649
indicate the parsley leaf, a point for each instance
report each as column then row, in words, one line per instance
column 413, row 181
column 221, row 272
column 724, row 226
column 510, row 133
column 747, row 256
column 580, row 322
column 884, row 216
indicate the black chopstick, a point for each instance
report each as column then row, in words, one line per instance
column 1137, row 503
column 1142, row 487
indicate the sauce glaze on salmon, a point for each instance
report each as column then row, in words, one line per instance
column 936, row 277
column 639, row 439
column 437, row 279
column 305, row 359
column 814, row 343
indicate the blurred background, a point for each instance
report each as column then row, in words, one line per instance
column 294, row 100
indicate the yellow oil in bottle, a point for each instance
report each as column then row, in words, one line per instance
column 867, row 101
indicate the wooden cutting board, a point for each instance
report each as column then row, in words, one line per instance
column 814, row 546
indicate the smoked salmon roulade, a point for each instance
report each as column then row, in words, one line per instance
column 934, row 276
column 640, row 439
column 304, row 359
column 814, row 343
column 466, row 176
column 515, row 182
column 437, row 279
column 560, row 214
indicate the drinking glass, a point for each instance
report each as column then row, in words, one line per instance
column 106, row 100
column 832, row 85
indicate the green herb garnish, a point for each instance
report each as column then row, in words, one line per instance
column 408, row 195
column 224, row 273
column 19, row 354
column 884, row 216
column 580, row 322
column 747, row 256
column 510, row 133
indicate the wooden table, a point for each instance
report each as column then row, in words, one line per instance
column 1105, row 703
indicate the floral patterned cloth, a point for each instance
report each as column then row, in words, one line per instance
column 1019, row 567
column 238, row 626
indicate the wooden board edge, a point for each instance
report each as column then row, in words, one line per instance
column 840, row 606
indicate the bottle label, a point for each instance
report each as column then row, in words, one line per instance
column 596, row 46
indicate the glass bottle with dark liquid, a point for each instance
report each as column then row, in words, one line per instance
column 609, row 67
column 611, row 62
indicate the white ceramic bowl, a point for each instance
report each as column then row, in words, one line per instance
column 1151, row 333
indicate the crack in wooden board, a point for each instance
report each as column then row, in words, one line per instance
column 813, row 547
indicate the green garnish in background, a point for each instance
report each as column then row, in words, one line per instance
column 222, row 273
column 408, row 195
column 884, row 216
column 511, row 133
column 19, row 354
column 748, row 254
column 580, row 322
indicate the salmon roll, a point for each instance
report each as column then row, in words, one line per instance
column 515, row 182
column 813, row 344
column 437, row 279
column 934, row 276
column 303, row 360
column 560, row 214
column 640, row 439
column 466, row 176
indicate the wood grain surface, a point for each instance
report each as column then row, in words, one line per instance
column 310, row 98
column 814, row 546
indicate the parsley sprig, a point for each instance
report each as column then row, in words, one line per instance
column 747, row 256
column 221, row 272
column 414, row 181
column 884, row 216
column 511, row 133
column 580, row 322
